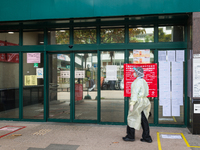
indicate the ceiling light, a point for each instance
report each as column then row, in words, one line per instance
column 62, row 30
column 10, row 32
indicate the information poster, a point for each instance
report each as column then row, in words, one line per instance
column 141, row 56
column 196, row 77
column 162, row 56
column 39, row 72
column 30, row 80
column 164, row 82
column 65, row 74
column 150, row 75
column 80, row 74
column 33, row 57
column 111, row 72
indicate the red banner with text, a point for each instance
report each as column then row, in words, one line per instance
column 150, row 75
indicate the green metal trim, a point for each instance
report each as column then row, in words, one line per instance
column 185, row 91
column 58, row 120
column 156, row 103
column 45, row 37
column 20, row 36
column 126, row 102
column 45, row 78
column 85, row 121
column 112, row 123
column 33, row 120
column 10, row 119
column 99, row 87
column 126, row 36
column 98, row 32
column 156, row 33
column 20, row 85
column 72, row 87
column 71, row 34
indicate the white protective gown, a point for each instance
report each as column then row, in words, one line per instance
column 139, row 93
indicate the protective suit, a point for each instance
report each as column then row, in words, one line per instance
column 139, row 108
column 140, row 102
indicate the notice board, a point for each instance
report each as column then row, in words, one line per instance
column 150, row 75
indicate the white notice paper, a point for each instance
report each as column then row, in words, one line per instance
column 180, row 55
column 65, row 74
column 164, row 82
column 171, row 55
column 196, row 77
column 111, row 72
column 177, row 83
column 80, row 74
column 175, row 110
column 167, row 110
column 161, row 55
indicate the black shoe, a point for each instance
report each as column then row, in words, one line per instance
column 148, row 141
column 127, row 139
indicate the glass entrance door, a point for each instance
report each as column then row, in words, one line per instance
column 85, row 85
column 59, row 86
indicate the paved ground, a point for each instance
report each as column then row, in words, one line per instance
column 70, row 136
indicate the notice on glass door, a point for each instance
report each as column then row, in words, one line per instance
column 30, row 80
column 162, row 55
column 111, row 72
column 33, row 57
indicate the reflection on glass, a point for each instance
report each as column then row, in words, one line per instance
column 112, row 35
column 9, row 37
column 86, row 86
column 84, row 36
column 33, row 37
column 58, row 36
column 112, row 86
column 33, row 87
column 59, row 86
column 9, row 87
column 172, row 119
column 171, row 34
column 141, row 35
column 151, row 99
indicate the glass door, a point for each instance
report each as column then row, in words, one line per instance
column 59, row 86
column 85, row 85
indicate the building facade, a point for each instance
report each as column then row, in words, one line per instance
column 55, row 58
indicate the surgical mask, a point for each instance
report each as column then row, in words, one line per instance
column 134, row 74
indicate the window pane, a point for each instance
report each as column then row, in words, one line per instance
column 112, row 35
column 33, row 86
column 9, row 37
column 84, row 36
column 112, row 88
column 172, row 104
column 137, row 35
column 171, row 34
column 58, row 36
column 33, row 37
column 9, row 87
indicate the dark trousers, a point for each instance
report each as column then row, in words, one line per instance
column 145, row 126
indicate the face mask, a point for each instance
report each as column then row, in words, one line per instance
column 134, row 74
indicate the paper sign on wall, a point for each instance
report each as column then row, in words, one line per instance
column 65, row 74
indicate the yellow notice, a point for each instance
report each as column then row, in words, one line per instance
column 30, row 80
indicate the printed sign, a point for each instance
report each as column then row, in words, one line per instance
column 30, row 80
column 39, row 72
column 141, row 56
column 64, row 74
column 33, row 57
column 80, row 74
column 150, row 75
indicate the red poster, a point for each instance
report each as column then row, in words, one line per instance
column 150, row 75
column 78, row 92
column 13, row 57
column 2, row 57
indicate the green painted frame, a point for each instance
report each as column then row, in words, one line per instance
column 98, row 47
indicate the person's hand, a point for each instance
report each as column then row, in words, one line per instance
column 131, row 108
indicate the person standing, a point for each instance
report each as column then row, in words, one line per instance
column 139, row 108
